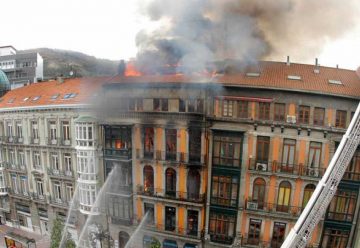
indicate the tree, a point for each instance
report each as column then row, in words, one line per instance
column 56, row 235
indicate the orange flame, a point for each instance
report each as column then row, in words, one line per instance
column 131, row 70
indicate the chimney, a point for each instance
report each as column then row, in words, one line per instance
column 60, row 80
column 121, row 68
column 288, row 61
column 317, row 68
column 337, row 66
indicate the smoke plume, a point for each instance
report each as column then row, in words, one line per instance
column 195, row 32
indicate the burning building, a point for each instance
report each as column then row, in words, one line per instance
column 202, row 160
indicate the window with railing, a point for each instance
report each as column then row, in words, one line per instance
column 182, row 105
column 148, row 175
column 283, row 199
column 34, row 131
column 67, row 162
column 171, row 143
column 304, row 114
column 66, row 131
column 264, row 111
column 170, row 218
column 222, row 227
column 279, row 112
column 148, row 142
column 224, row 190
column 54, row 162
column 193, row 183
column 194, row 145
column 52, row 130
column 314, row 160
column 254, row 231
column 9, row 129
column 262, row 149
column 342, row 206
column 118, row 140
column 170, row 182
column 340, row 120
column 258, row 194
column 335, row 238
column 37, row 160
column 319, row 116
column 40, row 187
column 57, row 191
column 192, row 222
column 19, row 130
column 288, row 156
column 227, row 149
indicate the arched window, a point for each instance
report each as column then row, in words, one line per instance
column 258, row 194
column 148, row 179
column 193, row 184
column 123, row 239
column 284, row 194
column 308, row 191
column 170, row 186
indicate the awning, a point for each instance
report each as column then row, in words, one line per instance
column 167, row 243
column 187, row 245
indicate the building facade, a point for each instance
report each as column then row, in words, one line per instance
column 226, row 161
column 21, row 68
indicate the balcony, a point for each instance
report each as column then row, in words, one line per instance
column 173, row 195
column 273, row 208
column 54, row 173
column 221, row 238
column 227, row 162
column 19, row 194
column 121, row 153
column 290, row 170
column 52, row 141
column 58, row 202
column 34, row 140
column 351, row 176
column 342, row 217
column 38, row 198
column 9, row 139
column 16, row 168
column 18, row 140
column 247, row 241
column 189, row 233
column 65, row 142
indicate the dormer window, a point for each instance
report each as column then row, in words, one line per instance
column 332, row 81
column 294, row 77
column 253, row 74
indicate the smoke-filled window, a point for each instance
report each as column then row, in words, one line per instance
column 170, row 144
column 182, row 105
column 148, row 142
column 164, row 104
column 156, row 103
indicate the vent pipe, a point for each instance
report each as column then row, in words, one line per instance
column 288, row 61
column 317, row 68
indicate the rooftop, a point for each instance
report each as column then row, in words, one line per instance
column 274, row 75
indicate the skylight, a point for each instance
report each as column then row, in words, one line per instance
column 53, row 97
column 36, row 98
column 294, row 77
column 70, row 95
column 11, row 100
column 253, row 74
column 332, row 81
column 26, row 98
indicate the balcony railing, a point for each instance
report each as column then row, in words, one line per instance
column 65, row 142
column 192, row 233
column 19, row 193
column 254, row 242
column 275, row 167
column 272, row 208
column 60, row 174
column 345, row 217
column 124, row 153
column 16, row 168
column 37, row 197
column 34, row 141
column 221, row 238
column 59, row 202
column 351, row 176
column 227, row 161
column 52, row 141
column 175, row 195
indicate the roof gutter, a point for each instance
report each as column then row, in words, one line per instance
column 43, row 107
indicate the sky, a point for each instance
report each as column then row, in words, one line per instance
column 107, row 29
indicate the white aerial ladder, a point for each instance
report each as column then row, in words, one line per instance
column 301, row 233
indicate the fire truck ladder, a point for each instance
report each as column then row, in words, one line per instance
column 301, row 233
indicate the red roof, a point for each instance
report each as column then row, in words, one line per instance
column 271, row 75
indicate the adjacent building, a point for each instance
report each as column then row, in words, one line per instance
column 223, row 161
column 21, row 68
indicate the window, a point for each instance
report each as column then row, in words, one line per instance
column 35, row 98
column 262, row 149
column 192, row 222
column 37, row 161
column 19, row 132
column 40, row 187
column 67, row 162
column 149, row 210
column 314, row 155
column 164, row 104
column 227, row 149
column 14, row 183
column 69, row 192
column 23, row 185
column 199, row 105
column 308, row 191
column 319, row 116
column 170, row 187
column 335, row 238
column 182, row 105
column 66, row 130
column 9, row 129
column 191, row 105
column 148, row 175
column 86, row 165
column 264, row 111
column 170, row 218
column 194, row 145
column 54, row 97
column 340, row 121
column 342, row 206
column 57, row 192
column 156, row 104
column 117, row 138
column 84, row 134
column 52, row 126
column 353, row 170
column 171, row 144
column 284, row 194
column 227, row 109
column 288, row 156
column 193, row 184
column 304, row 114
column 87, row 194
column 254, row 232
column 279, row 112
column 34, row 130
column 222, row 227
column 132, row 104
column 21, row 158
column 12, row 157
column 278, row 234
column 258, row 194
column 224, row 190
column 54, row 161
column 243, row 109
column 148, row 142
